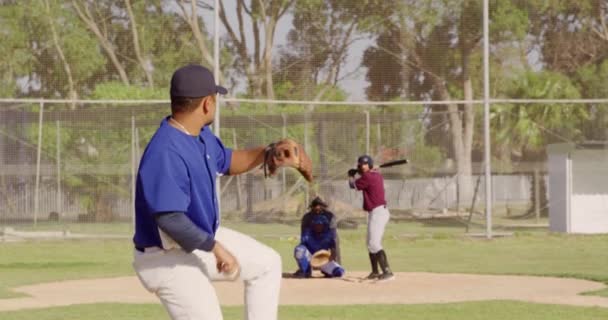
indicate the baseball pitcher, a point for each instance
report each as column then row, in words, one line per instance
column 179, row 244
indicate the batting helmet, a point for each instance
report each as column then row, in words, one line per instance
column 365, row 159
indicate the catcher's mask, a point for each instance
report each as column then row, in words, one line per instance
column 320, row 223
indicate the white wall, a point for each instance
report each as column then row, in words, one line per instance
column 578, row 188
column 589, row 200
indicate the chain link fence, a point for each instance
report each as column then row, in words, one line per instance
column 76, row 163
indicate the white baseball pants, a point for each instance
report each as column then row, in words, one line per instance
column 182, row 281
column 376, row 223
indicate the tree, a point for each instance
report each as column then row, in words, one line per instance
column 256, row 66
column 95, row 15
column 17, row 56
column 526, row 129
column 434, row 54
column 192, row 18
column 310, row 64
column 145, row 65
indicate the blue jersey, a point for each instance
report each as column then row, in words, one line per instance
column 178, row 173
column 318, row 241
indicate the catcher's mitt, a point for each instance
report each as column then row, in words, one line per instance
column 320, row 258
column 287, row 152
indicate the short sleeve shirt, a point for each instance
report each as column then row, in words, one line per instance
column 177, row 173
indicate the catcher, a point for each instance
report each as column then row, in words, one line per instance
column 318, row 206
column 179, row 244
column 317, row 250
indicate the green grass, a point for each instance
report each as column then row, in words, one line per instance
column 435, row 227
column 116, row 228
column 410, row 246
column 494, row 310
column 601, row 293
column 434, row 246
column 42, row 261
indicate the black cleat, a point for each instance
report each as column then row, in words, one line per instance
column 386, row 276
column 301, row 274
column 373, row 276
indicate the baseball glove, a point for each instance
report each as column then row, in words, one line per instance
column 289, row 153
column 320, row 258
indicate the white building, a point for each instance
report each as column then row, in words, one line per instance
column 578, row 187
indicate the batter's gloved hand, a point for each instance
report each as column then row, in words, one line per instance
column 287, row 153
column 352, row 172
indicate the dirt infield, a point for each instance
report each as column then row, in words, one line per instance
column 406, row 288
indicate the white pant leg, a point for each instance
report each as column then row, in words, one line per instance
column 180, row 282
column 376, row 223
column 260, row 270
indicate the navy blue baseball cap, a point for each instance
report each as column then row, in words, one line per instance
column 365, row 159
column 194, row 81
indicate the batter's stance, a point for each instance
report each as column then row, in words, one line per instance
column 179, row 245
column 371, row 183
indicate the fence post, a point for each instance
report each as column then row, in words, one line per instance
column 37, row 188
column 537, row 195
column 284, row 133
column 486, row 118
column 239, row 195
column 367, row 133
column 58, row 207
column 379, row 138
column 133, row 170
column 307, row 149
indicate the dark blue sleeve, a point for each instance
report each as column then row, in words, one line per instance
column 164, row 182
column 332, row 244
column 305, row 224
column 333, row 234
column 181, row 229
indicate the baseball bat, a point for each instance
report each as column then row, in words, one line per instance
column 394, row 163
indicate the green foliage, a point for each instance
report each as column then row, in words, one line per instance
column 509, row 20
column 16, row 56
column 592, row 80
column 533, row 126
column 118, row 91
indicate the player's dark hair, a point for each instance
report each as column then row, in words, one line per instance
column 184, row 104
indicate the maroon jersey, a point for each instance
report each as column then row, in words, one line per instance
column 371, row 184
